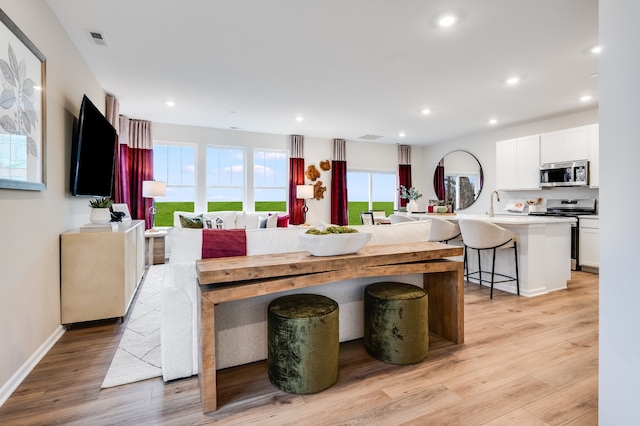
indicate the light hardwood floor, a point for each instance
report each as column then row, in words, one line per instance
column 525, row 361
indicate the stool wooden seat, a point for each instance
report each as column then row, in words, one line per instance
column 303, row 343
column 396, row 322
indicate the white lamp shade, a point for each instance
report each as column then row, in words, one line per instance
column 304, row 191
column 153, row 189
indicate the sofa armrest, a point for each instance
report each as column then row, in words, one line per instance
column 177, row 334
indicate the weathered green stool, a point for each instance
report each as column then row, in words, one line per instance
column 303, row 343
column 396, row 323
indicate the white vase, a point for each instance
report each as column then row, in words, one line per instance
column 100, row 215
column 412, row 206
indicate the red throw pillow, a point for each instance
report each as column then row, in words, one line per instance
column 283, row 221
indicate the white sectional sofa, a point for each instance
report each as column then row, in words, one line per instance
column 241, row 328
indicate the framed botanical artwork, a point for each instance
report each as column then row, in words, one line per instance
column 22, row 110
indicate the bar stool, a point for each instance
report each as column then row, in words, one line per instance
column 303, row 343
column 443, row 231
column 482, row 235
column 396, row 323
column 366, row 218
column 399, row 218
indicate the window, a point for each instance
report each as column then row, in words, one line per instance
column 270, row 180
column 225, row 178
column 370, row 191
column 174, row 164
column 461, row 189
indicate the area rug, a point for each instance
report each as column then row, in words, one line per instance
column 138, row 354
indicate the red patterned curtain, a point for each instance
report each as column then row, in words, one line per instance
column 339, row 200
column 296, row 177
column 136, row 165
column 404, row 170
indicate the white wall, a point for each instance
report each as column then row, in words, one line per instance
column 619, row 376
column 32, row 221
column 483, row 147
column 368, row 156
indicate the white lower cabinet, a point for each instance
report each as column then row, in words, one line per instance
column 100, row 272
column 589, row 242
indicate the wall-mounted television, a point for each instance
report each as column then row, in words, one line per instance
column 92, row 153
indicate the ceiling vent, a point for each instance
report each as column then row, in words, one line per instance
column 370, row 137
column 97, row 38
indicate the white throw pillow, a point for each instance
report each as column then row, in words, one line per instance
column 272, row 221
column 268, row 221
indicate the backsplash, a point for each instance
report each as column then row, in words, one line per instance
column 507, row 197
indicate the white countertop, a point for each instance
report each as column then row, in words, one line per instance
column 503, row 219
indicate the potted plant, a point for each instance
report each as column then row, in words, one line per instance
column 412, row 195
column 100, row 212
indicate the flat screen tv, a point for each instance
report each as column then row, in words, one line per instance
column 92, row 153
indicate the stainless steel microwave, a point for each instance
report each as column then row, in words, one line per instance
column 566, row 173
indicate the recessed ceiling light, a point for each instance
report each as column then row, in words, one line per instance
column 513, row 80
column 299, row 118
column 426, row 111
column 170, row 103
column 585, row 98
column 596, row 50
column 402, row 135
column 447, row 20
column 493, row 121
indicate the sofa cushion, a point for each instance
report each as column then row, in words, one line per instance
column 228, row 218
column 186, row 244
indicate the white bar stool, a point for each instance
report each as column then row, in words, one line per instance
column 482, row 235
column 399, row 218
column 443, row 231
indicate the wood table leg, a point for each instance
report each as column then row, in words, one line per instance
column 207, row 355
column 446, row 302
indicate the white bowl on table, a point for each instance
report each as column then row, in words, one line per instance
column 334, row 244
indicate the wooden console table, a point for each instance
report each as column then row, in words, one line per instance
column 235, row 278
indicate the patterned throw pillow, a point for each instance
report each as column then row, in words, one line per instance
column 192, row 222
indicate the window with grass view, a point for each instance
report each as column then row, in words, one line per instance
column 174, row 164
column 225, row 178
column 270, row 180
column 370, row 191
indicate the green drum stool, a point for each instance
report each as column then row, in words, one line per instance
column 303, row 343
column 396, row 324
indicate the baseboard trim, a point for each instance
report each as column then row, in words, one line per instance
column 12, row 384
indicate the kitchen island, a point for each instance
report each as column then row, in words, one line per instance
column 544, row 251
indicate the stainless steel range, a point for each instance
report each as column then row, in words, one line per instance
column 571, row 208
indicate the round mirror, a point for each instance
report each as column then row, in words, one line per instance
column 458, row 179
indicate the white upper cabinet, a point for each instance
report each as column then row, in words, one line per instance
column 506, row 160
column 518, row 163
column 552, row 147
column 594, row 155
column 565, row 145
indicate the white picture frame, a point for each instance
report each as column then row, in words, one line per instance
column 122, row 208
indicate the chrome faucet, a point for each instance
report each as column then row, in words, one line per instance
column 491, row 206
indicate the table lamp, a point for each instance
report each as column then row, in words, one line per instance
column 153, row 189
column 304, row 192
